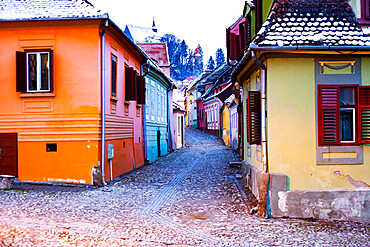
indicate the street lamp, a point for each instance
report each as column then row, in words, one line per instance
column 191, row 97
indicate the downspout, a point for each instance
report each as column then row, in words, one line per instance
column 168, row 120
column 103, row 103
column 221, row 119
column 144, row 114
column 263, row 110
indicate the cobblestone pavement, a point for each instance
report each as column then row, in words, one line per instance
column 186, row 198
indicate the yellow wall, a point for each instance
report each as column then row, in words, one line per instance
column 291, row 108
column 226, row 125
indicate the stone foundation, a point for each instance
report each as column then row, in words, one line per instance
column 348, row 205
column 6, row 182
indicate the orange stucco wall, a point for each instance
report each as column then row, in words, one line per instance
column 70, row 116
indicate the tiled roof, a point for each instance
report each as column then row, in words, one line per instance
column 214, row 76
column 311, row 22
column 157, row 51
column 14, row 10
column 142, row 34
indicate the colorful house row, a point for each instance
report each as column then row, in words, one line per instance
column 73, row 94
column 208, row 98
column 302, row 86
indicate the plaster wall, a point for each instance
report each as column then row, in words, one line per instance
column 291, row 108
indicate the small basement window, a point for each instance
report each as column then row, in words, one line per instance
column 51, row 147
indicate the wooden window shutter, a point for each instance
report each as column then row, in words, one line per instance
column 233, row 46
column 364, row 114
column 129, row 84
column 239, row 50
column 21, row 72
column 228, row 43
column 328, row 115
column 114, row 76
column 367, row 9
column 51, row 69
column 254, row 117
column 141, row 90
column 242, row 35
column 135, row 82
column 248, row 30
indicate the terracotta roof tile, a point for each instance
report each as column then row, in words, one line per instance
column 311, row 22
column 157, row 51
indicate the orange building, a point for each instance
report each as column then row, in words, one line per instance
column 70, row 89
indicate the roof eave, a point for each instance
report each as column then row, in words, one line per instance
column 253, row 47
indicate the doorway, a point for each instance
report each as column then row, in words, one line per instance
column 8, row 154
column 159, row 142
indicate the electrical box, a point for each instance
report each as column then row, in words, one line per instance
column 110, row 151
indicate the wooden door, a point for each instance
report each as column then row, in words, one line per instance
column 8, row 154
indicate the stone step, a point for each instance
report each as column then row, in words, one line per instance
column 235, row 164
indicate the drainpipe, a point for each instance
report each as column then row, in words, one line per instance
column 103, row 102
column 263, row 93
column 168, row 120
column 144, row 113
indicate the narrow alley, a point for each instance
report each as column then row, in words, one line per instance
column 186, row 198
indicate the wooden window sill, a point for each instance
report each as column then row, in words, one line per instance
column 127, row 103
column 36, row 95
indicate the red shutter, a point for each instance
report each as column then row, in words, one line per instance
column 258, row 12
column 228, row 42
column 364, row 114
column 328, row 115
column 141, row 90
column 254, row 117
column 21, row 72
column 129, row 84
column 135, row 85
column 234, row 46
column 51, row 69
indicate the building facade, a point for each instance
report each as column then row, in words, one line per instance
column 65, row 94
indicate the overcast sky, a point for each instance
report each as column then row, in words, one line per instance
column 201, row 22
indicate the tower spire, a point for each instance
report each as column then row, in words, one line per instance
column 154, row 28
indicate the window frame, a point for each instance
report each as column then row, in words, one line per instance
column 39, row 69
column 114, row 59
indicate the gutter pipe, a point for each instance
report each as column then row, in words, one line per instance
column 103, row 102
column 144, row 113
column 263, row 111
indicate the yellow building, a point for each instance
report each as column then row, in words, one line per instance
column 306, row 105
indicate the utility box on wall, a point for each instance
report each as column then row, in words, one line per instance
column 110, row 151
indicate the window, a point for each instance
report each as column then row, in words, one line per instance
column 343, row 114
column 114, row 76
column 253, row 119
column 51, row 147
column 34, row 71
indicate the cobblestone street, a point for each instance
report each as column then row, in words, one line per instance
column 186, row 198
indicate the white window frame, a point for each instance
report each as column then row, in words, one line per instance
column 354, row 124
column 38, row 63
